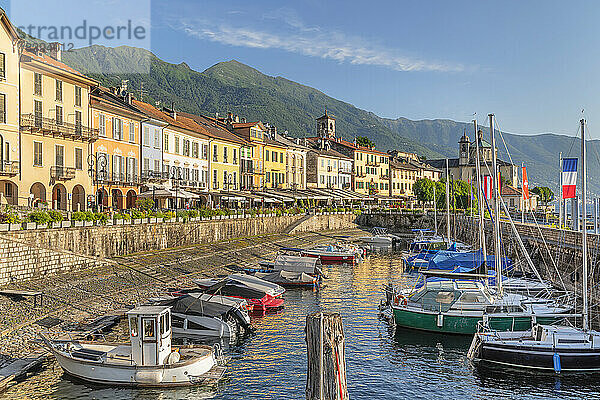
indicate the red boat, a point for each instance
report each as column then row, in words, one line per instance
column 335, row 254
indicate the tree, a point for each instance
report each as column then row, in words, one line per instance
column 545, row 193
column 423, row 189
column 365, row 142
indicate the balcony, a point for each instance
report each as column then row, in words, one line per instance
column 372, row 164
column 61, row 173
column 153, row 176
column 48, row 126
column 9, row 168
column 386, row 177
column 215, row 185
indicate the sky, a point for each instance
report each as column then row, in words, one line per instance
column 533, row 64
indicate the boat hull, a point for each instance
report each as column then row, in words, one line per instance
column 536, row 358
column 332, row 259
column 460, row 324
column 186, row 374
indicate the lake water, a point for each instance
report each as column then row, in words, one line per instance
column 382, row 362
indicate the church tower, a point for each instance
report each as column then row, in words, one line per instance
column 326, row 126
column 463, row 149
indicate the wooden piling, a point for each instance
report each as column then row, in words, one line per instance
column 326, row 375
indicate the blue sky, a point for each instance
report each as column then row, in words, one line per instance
column 534, row 64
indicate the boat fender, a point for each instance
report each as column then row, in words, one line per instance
column 400, row 299
column 173, row 358
column 556, row 360
column 149, row 376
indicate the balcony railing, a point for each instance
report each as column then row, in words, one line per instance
column 61, row 173
column 154, row 176
column 48, row 126
column 9, row 168
column 215, row 185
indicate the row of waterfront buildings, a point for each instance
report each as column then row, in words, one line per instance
column 68, row 143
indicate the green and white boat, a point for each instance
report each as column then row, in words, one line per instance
column 457, row 306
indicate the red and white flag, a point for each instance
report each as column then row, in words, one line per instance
column 488, row 186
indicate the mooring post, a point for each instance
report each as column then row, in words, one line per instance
column 326, row 374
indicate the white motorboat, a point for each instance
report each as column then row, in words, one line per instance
column 252, row 282
column 380, row 237
column 148, row 361
column 197, row 315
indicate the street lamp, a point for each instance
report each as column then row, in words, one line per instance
column 175, row 178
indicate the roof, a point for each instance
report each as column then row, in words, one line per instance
column 271, row 142
column 180, row 121
column 482, row 144
column 326, row 116
column 401, row 165
column 214, row 129
column 11, row 29
column 441, row 164
column 51, row 62
column 314, row 146
column 507, row 190
column 103, row 95
column 242, row 125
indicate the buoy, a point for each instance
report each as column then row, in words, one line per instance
column 556, row 359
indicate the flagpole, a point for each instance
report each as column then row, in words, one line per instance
column 447, row 202
column 561, row 211
column 496, row 186
column 480, row 195
column 435, row 209
column 584, row 227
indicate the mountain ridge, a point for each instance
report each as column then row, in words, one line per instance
column 236, row 87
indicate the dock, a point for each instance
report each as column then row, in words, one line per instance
column 19, row 367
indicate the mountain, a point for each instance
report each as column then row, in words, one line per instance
column 293, row 107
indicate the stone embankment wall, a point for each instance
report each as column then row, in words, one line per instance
column 31, row 253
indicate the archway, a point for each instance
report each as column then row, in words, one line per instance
column 117, row 199
column 131, row 198
column 102, row 197
column 59, row 197
column 78, row 198
column 38, row 192
column 10, row 192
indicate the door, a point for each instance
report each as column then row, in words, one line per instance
column 59, row 156
column 149, row 342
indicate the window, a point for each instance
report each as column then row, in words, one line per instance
column 37, row 154
column 186, row 147
column 205, row 151
column 281, row 157
column 148, row 327
column 59, row 155
column 59, row 96
column 195, row 149
column 225, row 154
column 2, row 108
column 78, row 158
column 2, row 65
column 132, row 132
column 78, row 96
column 133, row 326
column 59, row 115
column 78, row 122
column 117, row 128
column 215, row 183
column 234, row 156
column 266, row 155
column 37, row 84
column 146, row 136
column 274, row 158
column 157, row 166
column 215, row 155
column 166, row 142
column 176, row 144
column 146, row 164
column 102, row 125
column 156, row 138
column 268, row 176
column 37, row 113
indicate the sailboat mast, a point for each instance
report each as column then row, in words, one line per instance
column 562, row 213
column 434, row 208
column 480, row 195
column 584, row 226
column 496, row 184
column 447, row 201
column 523, row 192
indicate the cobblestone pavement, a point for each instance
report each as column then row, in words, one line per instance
column 82, row 296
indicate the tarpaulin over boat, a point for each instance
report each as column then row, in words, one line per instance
column 190, row 305
column 450, row 260
column 286, row 278
column 308, row 265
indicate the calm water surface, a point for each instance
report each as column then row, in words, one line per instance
column 383, row 363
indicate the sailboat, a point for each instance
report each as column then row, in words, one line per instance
column 459, row 302
column 559, row 349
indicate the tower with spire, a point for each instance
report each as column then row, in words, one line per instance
column 326, row 126
column 463, row 149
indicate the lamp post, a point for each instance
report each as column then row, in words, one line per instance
column 175, row 178
column 99, row 175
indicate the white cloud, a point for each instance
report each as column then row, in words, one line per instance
column 295, row 37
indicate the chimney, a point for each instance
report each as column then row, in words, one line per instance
column 114, row 90
column 244, row 120
column 216, row 115
column 237, row 118
column 55, row 50
column 129, row 98
column 157, row 104
column 229, row 117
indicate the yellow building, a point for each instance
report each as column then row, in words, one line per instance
column 402, row 178
column 56, row 134
column 117, row 150
column 275, row 159
column 371, row 171
column 10, row 168
column 254, row 133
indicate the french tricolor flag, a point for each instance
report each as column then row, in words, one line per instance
column 569, row 177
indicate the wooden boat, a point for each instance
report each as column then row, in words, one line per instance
column 148, row 361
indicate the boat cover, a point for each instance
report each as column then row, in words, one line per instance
column 307, row 265
column 450, row 260
column 287, row 278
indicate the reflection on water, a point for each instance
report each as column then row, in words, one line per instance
column 383, row 362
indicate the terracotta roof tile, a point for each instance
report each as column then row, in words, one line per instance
column 46, row 59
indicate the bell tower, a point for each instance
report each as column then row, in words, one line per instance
column 463, row 149
column 326, row 126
